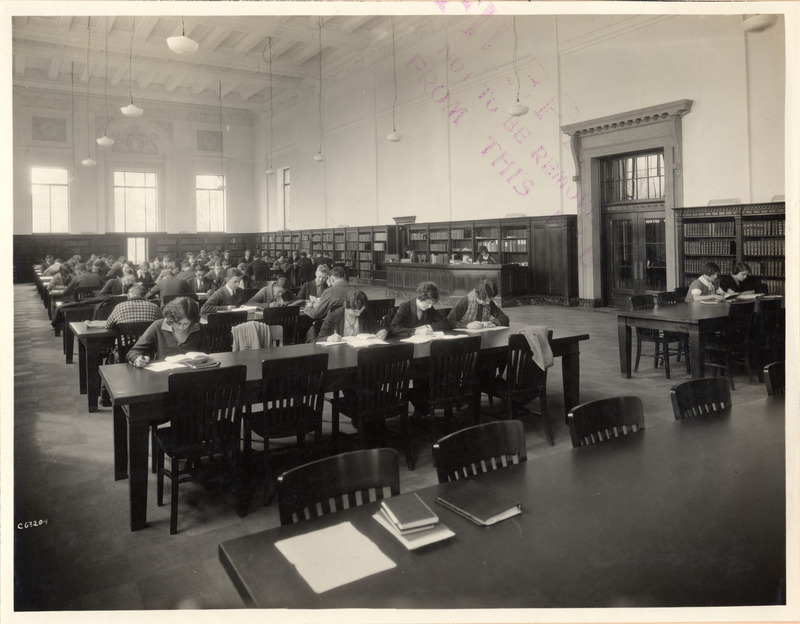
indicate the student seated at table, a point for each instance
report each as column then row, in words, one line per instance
column 334, row 295
column 61, row 278
column 484, row 257
column 227, row 297
column 478, row 309
column 315, row 287
column 83, row 279
column 169, row 284
column 705, row 288
column 247, row 281
column 274, row 295
column 178, row 332
column 350, row 320
column 118, row 285
column 135, row 310
column 411, row 254
column 201, row 283
column 739, row 282
column 53, row 268
column 418, row 316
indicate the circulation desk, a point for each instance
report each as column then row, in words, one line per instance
column 456, row 280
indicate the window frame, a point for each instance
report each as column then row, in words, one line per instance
column 65, row 185
column 222, row 190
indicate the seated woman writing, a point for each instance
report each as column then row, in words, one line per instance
column 418, row 316
column 478, row 309
column 178, row 332
column 705, row 288
column 739, row 282
column 351, row 319
column 274, row 295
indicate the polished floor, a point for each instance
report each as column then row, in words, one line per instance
column 84, row 557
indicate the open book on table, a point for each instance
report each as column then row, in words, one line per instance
column 193, row 359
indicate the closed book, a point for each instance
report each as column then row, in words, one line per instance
column 409, row 511
column 479, row 503
column 415, row 539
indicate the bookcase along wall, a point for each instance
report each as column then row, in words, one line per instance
column 751, row 233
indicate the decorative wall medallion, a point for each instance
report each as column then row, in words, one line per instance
column 135, row 143
column 209, row 141
column 49, row 129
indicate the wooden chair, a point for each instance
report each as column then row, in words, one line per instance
column 668, row 298
column 334, row 483
column 522, row 383
column 699, row 397
column 286, row 317
column 681, row 292
column 205, row 413
column 218, row 330
column 249, row 293
column 452, row 381
column 127, row 335
column 84, row 292
column 604, row 419
column 732, row 344
column 775, row 378
column 767, row 332
column 381, row 392
column 445, row 312
column 659, row 340
column 482, row 448
column 292, row 394
column 381, row 308
column 386, row 320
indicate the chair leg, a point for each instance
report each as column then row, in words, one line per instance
column 665, row 351
column 548, row 430
column 334, row 431
column 160, row 476
column 410, row 459
column 173, row 512
column 638, row 354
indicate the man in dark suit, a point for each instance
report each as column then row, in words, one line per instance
column 316, row 286
column 247, row 258
column 170, row 285
column 334, row 295
column 230, row 295
column 187, row 272
column 200, row 282
column 258, row 271
column 83, row 278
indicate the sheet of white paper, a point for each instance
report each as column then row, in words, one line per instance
column 247, row 308
column 334, row 556
column 162, row 366
column 481, row 329
column 325, row 343
column 95, row 323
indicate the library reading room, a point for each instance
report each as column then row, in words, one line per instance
column 402, row 311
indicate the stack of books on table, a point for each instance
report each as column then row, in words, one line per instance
column 411, row 521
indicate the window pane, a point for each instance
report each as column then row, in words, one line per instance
column 635, row 178
column 40, row 175
column 49, row 200
column 135, row 205
column 59, row 208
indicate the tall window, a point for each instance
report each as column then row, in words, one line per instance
column 137, row 249
column 135, row 205
column 633, row 178
column 50, row 200
column 210, row 196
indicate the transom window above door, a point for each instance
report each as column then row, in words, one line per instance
column 633, row 178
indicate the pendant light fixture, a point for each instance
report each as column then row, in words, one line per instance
column 131, row 110
column 221, row 183
column 105, row 140
column 270, row 168
column 394, row 136
column 88, row 161
column 517, row 110
column 73, row 177
column 319, row 157
column 182, row 44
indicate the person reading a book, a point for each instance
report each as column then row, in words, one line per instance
column 228, row 297
column 177, row 333
column 274, row 295
column 418, row 316
column 351, row 320
column 478, row 310
column 739, row 282
column 705, row 288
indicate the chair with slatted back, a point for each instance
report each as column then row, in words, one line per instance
column 732, row 345
column 249, row 293
column 218, row 330
column 520, row 382
column 775, row 378
column 681, row 292
column 452, row 381
column 444, row 312
column 659, row 340
column 292, row 395
column 381, row 392
column 285, row 316
column 767, row 332
column 380, row 308
column 331, row 484
column 700, row 397
column 604, row 419
column 668, row 298
column 482, row 448
column 205, row 418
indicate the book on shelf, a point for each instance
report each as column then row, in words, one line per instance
column 409, row 512
column 479, row 503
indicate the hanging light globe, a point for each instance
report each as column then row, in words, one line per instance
column 105, row 141
column 394, row 136
column 131, row 110
column 319, row 157
column 182, row 45
column 89, row 162
column 517, row 110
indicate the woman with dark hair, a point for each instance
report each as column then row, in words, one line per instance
column 478, row 309
column 418, row 316
column 178, row 332
column 484, row 257
column 705, row 288
column 411, row 254
column 739, row 281
column 274, row 295
column 351, row 319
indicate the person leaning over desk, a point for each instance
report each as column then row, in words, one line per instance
column 705, row 288
column 411, row 254
column 418, row 316
column 274, row 295
column 477, row 309
column 178, row 332
column 351, row 319
column 228, row 296
column 739, row 282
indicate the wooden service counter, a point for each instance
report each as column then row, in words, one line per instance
column 455, row 280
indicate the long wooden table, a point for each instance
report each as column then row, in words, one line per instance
column 688, row 513
column 137, row 395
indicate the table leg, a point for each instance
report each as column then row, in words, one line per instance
column 697, row 351
column 82, row 367
column 69, row 342
column 92, row 354
column 624, row 338
column 120, row 444
column 571, row 375
column 138, row 438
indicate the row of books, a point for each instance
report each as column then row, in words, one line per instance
column 764, row 228
column 710, row 246
column 515, row 245
column 714, row 228
column 695, row 265
column 767, row 247
column 768, row 267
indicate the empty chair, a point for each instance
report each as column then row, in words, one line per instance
column 218, row 330
column 699, row 397
column 334, row 483
column 453, row 377
column 381, row 392
column 659, row 340
column 732, row 344
column 667, row 298
column 380, row 308
column 604, row 419
column 775, row 378
column 205, row 413
column 522, row 383
column 292, row 394
column 767, row 331
column 286, row 317
column 681, row 292
column 479, row 449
